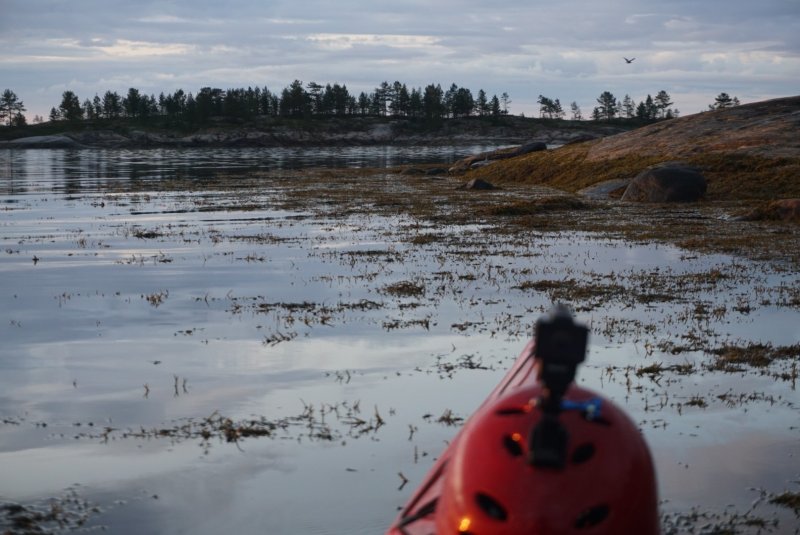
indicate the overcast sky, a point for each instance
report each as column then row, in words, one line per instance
column 566, row 49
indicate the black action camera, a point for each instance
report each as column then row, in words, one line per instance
column 560, row 347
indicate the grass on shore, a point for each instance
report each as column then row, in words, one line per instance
column 730, row 175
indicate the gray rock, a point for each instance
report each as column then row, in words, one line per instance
column 43, row 142
column 484, row 158
column 535, row 146
column 478, row 184
column 100, row 138
column 606, row 190
column 669, row 182
column 480, row 163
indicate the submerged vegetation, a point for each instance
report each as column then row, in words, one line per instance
column 415, row 254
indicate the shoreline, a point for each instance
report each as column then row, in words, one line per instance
column 310, row 133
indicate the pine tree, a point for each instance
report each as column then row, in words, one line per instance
column 463, row 103
column 482, row 103
column 7, row 101
column 545, row 104
column 549, row 108
column 112, row 105
column 294, row 100
column 663, row 102
column 505, row 100
column 88, row 110
column 315, row 97
column 363, row 103
column 494, row 106
column 608, row 106
column 97, row 104
column 558, row 111
column 415, row 106
column 10, row 107
column 400, row 102
column 628, row 107
column 723, row 100
column 70, row 107
column 433, row 102
column 18, row 120
column 381, row 97
column 132, row 103
column 576, row 111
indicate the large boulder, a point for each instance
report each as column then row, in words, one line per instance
column 669, row 182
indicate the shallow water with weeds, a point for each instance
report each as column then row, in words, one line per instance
column 197, row 342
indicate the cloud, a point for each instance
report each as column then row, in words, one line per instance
column 96, row 50
column 124, row 48
column 165, row 19
column 294, row 22
column 571, row 50
column 347, row 41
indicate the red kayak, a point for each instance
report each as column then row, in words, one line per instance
column 541, row 455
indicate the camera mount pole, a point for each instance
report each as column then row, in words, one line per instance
column 560, row 347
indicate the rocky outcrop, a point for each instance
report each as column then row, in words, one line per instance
column 477, row 184
column 751, row 151
column 334, row 131
column 484, row 158
column 42, row 142
column 668, row 182
column 767, row 128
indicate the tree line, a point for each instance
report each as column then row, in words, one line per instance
column 296, row 100
column 608, row 108
column 316, row 100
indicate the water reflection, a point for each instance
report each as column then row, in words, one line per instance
column 71, row 171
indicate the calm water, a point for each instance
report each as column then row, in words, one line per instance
column 127, row 309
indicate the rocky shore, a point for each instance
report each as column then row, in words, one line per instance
column 333, row 132
column 750, row 151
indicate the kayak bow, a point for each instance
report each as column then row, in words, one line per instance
column 540, row 455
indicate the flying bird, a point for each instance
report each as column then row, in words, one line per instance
column 628, row 60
